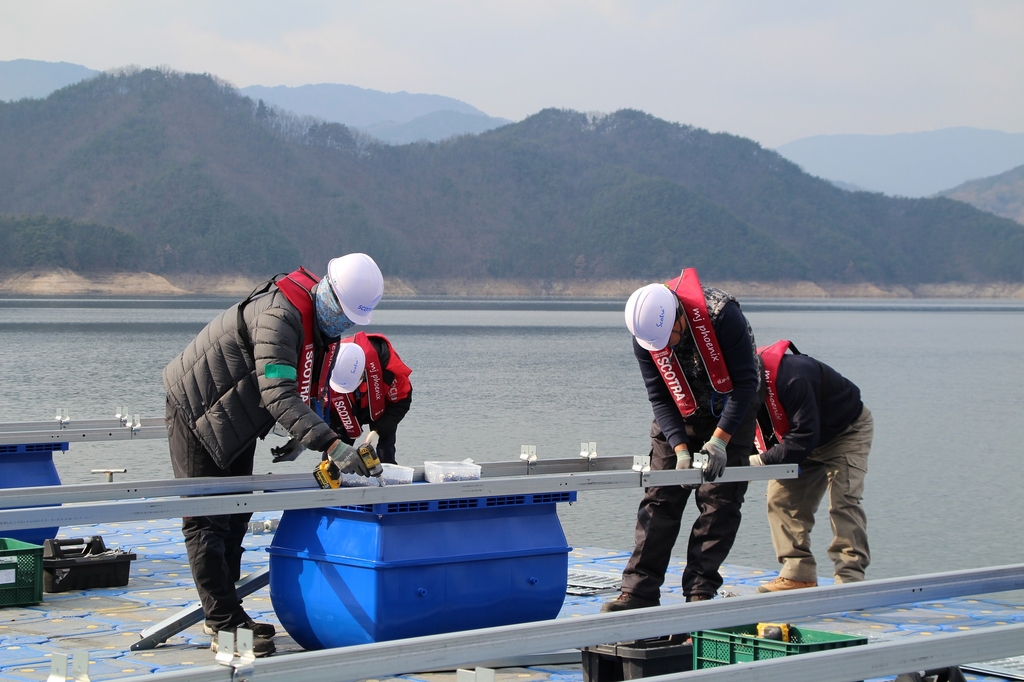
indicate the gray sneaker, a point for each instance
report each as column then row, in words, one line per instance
column 626, row 601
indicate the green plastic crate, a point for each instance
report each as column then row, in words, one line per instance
column 713, row 648
column 21, row 573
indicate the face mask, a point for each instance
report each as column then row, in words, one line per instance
column 329, row 315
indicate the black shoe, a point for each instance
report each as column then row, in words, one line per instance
column 699, row 597
column 261, row 646
column 626, row 601
column 265, row 630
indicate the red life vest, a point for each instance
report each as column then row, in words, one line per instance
column 374, row 391
column 771, row 356
column 688, row 290
column 297, row 287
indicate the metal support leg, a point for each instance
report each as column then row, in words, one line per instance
column 950, row 674
column 157, row 634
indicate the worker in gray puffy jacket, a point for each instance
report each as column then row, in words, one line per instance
column 264, row 360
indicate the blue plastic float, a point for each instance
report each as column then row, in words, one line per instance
column 353, row 575
column 27, row 465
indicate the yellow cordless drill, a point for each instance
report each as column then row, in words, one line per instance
column 345, row 459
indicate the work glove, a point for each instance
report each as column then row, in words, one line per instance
column 756, row 461
column 714, row 452
column 287, row 452
column 347, row 459
column 685, row 461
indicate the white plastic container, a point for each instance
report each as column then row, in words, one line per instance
column 442, row 472
column 394, row 474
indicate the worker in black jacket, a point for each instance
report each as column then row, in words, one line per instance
column 260, row 362
column 698, row 360
column 814, row 417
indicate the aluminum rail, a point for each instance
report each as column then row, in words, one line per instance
column 169, row 508
column 83, row 430
column 123, row 490
column 462, row 649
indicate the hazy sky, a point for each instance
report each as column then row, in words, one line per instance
column 770, row 70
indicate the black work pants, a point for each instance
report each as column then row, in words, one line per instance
column 660, row 516
column 213, row 543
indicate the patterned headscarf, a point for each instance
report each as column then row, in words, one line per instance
column 329, row 315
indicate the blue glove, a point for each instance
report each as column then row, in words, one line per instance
column 715, row 458
column 287, row 452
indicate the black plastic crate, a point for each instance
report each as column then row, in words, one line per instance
column 82, row 564
column 636, row 659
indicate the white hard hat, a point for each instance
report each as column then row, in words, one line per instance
column 348, row 368
column 358, row 284
column 650, row 315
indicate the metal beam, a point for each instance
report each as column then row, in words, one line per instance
column 165, row 508
column 192, row 614
column 168, row 508
column 82, row 430
column 125, row 490
column 461, row 649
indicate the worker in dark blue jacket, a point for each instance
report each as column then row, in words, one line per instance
column 698, row 360
column 814, row 417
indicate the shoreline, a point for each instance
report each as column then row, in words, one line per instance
column 68, row 283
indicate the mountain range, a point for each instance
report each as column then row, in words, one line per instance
column 391, row 117
column 195, row 177
column 907, row 164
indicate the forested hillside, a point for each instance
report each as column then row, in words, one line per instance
column 1001, row 194
column 208, row 181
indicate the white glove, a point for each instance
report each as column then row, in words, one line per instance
column 683, row 460
column 756, row 461
column 715, row 459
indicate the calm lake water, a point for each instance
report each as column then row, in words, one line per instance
column 944, row 380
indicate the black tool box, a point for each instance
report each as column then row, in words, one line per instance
column 636, row 659
column 82, row 564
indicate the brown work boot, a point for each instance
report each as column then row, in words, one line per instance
column 781, row 584
column 626, row 601
column 699, row 597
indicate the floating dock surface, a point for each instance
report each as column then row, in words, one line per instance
column 106, row 622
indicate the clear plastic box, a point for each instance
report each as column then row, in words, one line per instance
column 441, row 472
column 394, row 474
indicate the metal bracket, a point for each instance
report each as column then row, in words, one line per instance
column 588, row 450
column 122, row 416
column 699, row 460
column 528, row 453
column 241, row 667
column 63, row 418
column 59, row 667
column 475, row 675
column 642, row 463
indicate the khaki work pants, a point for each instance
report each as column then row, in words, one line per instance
column 837, row 467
